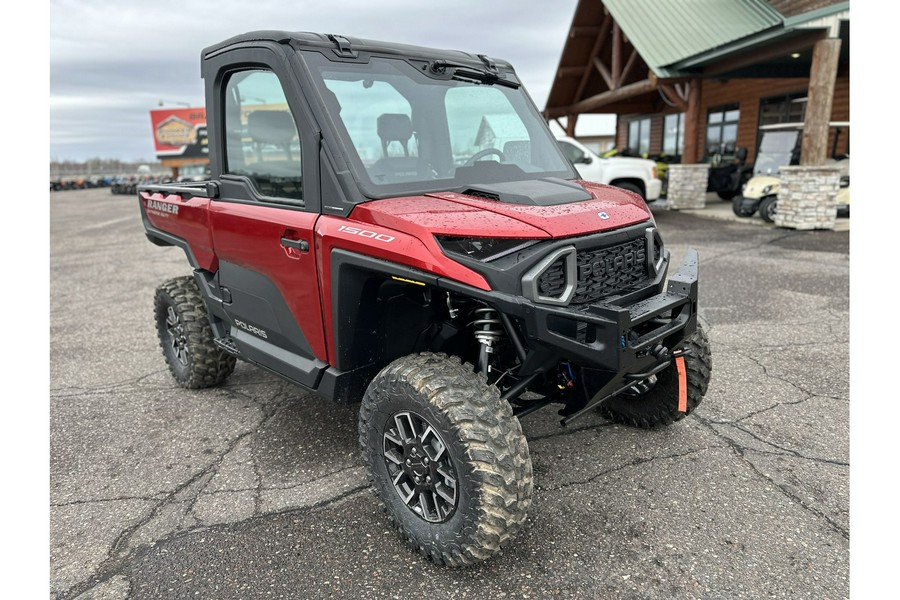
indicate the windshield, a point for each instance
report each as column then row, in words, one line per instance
column 778, row 149
column 406, row 132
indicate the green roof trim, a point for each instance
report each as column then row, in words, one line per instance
column 791, row 26
column 667, row 32
column 802, row 19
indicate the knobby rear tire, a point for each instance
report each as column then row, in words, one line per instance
column 186, row 338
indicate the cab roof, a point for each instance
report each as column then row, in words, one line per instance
column 346, row 47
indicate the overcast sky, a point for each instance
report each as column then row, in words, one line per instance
column 111, row 62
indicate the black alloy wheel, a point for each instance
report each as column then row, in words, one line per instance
column 177, row 340
column 420, row 467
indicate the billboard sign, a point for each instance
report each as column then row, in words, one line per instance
column 179, row 132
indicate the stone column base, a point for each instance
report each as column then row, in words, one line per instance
column 807, row 197
column 687, row 186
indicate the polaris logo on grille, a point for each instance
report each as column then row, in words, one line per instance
column 603, row 215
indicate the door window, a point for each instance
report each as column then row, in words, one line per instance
column 261, row 137
column 721, row 131
column 673, row 135
column 639, row 137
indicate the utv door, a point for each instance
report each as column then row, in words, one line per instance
column 262, row 222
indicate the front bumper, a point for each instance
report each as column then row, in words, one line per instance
column 654, row 189
column 619, row 337
column 615, row 335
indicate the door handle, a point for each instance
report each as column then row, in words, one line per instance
column 301, row 245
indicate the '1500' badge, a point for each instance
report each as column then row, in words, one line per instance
column 603, row 215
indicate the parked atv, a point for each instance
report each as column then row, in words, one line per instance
column 727, row 180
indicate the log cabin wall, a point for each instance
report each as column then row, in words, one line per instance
column 747, row 93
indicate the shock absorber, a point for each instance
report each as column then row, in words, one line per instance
column 487, row 329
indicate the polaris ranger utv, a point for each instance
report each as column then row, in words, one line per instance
column 396, row 225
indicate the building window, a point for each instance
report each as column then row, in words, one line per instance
column 673, row 135
column 721, row 131
column 782, row 109
column 639, row 137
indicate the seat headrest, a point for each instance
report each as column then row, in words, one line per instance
column 394, row 127
column 271, row 126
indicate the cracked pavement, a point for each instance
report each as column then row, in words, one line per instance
column 256, row 489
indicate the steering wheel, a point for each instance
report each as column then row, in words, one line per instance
column 482, row 154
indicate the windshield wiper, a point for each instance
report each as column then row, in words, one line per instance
column 464, row 72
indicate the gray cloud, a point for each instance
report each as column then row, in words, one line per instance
column 111, row 62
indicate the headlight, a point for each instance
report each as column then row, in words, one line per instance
column 766, row 190
column 483, row 249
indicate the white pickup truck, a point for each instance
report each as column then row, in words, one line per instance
column 636, row 175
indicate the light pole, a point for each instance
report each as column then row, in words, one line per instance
column 162, row 102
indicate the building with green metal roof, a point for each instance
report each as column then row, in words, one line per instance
column 694, row 80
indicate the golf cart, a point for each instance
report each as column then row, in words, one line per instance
column 780, row 147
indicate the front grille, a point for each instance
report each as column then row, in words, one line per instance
column 600, row 273
column 552, row 282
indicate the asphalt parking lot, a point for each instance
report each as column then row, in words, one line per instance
column 256, row 489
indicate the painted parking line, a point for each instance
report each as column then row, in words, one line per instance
column 108, row 223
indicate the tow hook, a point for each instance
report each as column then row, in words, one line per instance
column 664, row 358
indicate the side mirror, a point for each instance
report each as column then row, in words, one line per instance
column 585, row 159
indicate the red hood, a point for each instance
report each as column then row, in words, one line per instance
column 449, row 213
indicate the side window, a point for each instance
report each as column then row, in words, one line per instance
column 573, row 153
column 261, row 137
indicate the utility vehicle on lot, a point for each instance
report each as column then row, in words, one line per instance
column 780, row 147
column 396, row 225
column 728, row 179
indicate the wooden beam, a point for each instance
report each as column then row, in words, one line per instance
column 692, row 125
column 607, row 76
column 635, row 89
column 616, row 56
column 583, row 31
column 674, row 97
column 571, row 119
column 758, row 55
column 555, row 112
column 569, row 71
column 822, row 75
column 626, row 70
column 598, row 43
